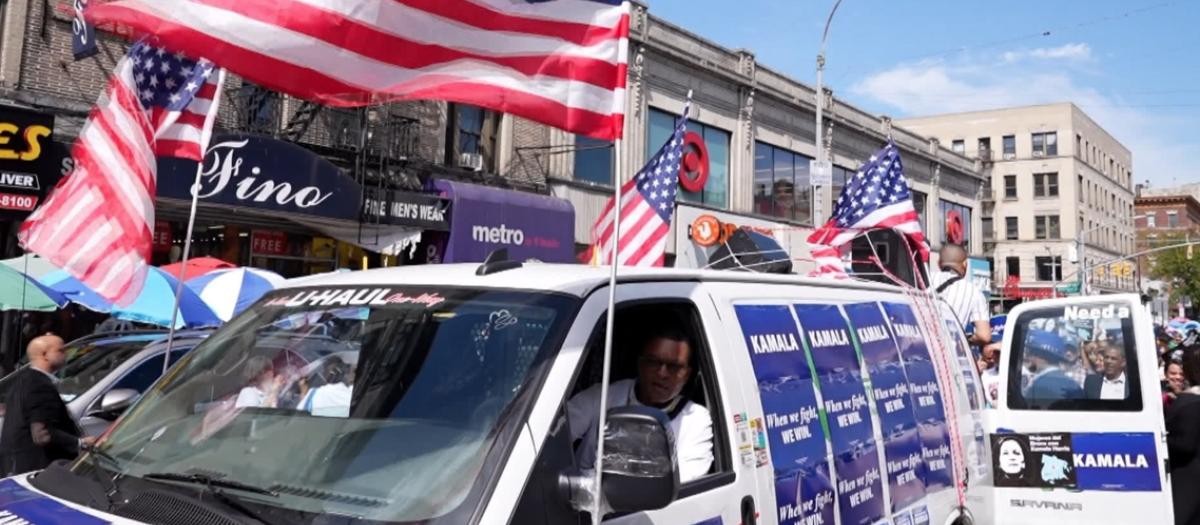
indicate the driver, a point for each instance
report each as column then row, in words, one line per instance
column 664, row 366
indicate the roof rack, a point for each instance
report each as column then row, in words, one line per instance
column 497, row 262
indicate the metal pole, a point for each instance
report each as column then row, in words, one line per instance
column 819, row 190
column 1081, row 250
column 187, row 247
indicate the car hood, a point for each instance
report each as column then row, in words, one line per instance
column 20, row 503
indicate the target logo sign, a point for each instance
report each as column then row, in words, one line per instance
column 954, row 227
column 693, row 171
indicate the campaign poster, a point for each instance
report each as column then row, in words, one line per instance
column 797, row 442
column 966, row 363
column 893, row 403
column 851, row 431
column 1119, row 462
column 926, row 397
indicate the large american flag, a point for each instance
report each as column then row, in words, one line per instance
column 876, row 197
column 647, row 203
column 97, row 223
column 558, row 62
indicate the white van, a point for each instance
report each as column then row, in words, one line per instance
column 1078, row 434
column 847, row 403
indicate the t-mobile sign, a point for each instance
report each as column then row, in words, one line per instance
column 530, row 226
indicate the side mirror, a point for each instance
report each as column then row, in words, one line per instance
column 116, row 401
column 641, row 471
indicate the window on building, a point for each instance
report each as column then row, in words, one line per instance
column 985, row 147
column 919, row 201
column 1151, row 219
column 259, row 111
column 1047, row 227
column 593, row 160
column 1045, row 184
column 1079, row 146
column 1010, row 228
column 1010, row 186
column 958, row 212
column 1079, row 190
column 1172, row 219
column 475, row 132
column 716, row 190
column 1048, row 268
column 959, row 146
column 989, row 229
column 1112, row 169
column 1010, row 147
column 782, row 187
column 1012, row 266
column 470, row 128
column 1045, row 144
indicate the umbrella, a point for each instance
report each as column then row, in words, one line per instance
column 21, row 292
column 228, row 292
column 197, row 267
column 152, row 306
column 31, row 265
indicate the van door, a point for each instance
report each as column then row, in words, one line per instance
column 719, row 496
column 1078, row 435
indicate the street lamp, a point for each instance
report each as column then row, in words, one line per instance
column 822, row 167
column 1081, row 248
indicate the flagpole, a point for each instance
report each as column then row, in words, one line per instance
column 187, row 247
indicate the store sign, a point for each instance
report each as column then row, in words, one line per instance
column 163, row 237
column 83, row 33
column 708, row 231
column 28, row 160
column 528, row 225
column 979, row 271
column 265, row 242
column 701, row 231
column 406, row 208
column 1013, row 290
column 264, row 173
column 693, row 171
column 954, row 227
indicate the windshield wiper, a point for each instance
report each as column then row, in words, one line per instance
column 212, row 485
column 94, row 455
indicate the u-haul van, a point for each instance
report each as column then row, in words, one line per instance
column 1078, row 434
column 443, row 394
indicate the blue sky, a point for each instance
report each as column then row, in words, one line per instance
column 1132, row 65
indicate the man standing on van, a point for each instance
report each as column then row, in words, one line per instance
column 965, row 299
column 663, row 369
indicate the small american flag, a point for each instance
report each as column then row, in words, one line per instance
column 647, row 203
column 97, row 223
column 558, row 62
column 877, row 197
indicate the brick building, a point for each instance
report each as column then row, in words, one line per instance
column 1162, row 218
column 756, row 126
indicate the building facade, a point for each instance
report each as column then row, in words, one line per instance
column 1163, row 220
column 752, row 135
column 1054, row 177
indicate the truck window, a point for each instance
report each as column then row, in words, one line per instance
column 1075, row 358
column 635, row 325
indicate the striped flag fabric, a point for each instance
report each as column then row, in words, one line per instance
column 558, row 62
column 97, row 223
column 876, row 197
column 647, row 204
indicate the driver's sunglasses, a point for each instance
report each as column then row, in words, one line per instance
column 654, row 363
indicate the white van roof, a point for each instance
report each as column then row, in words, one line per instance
column 572, row 279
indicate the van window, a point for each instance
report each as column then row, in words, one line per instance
column 635, row 325
column 1075, row 358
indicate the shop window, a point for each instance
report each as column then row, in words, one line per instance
column 593, row 160
column 782, row 187
column 1092, row 362
column 950, row 209
column 716, row 190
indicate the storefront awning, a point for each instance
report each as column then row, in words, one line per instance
column 483, row 219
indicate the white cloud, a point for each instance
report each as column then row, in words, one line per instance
column 1157, row 140
column 1072, row 52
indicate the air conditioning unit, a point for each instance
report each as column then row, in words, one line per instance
column 471, row 161
column 1010, row 156
column 1037, row 153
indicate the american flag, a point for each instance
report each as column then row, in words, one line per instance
column 647, row 203
column 558, row 62
column 876, row 197
column 97, row 223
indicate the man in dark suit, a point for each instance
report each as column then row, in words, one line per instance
column 1112, row 383
column 38, row 429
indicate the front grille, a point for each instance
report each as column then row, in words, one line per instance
column 164, row 508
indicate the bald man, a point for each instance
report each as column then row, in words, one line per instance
column 38, row 429
column 965, row 299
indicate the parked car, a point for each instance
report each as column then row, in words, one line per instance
column 105, row 374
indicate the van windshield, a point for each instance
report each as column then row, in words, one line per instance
column 383, row 403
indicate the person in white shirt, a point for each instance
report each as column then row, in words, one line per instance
column 664, row 367
column 333, row 398
column 1112, row 383
column 990, row 373
column 262, row 384
column 965, row 299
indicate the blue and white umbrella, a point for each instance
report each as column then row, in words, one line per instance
column 152, row 306
column 229, row 292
